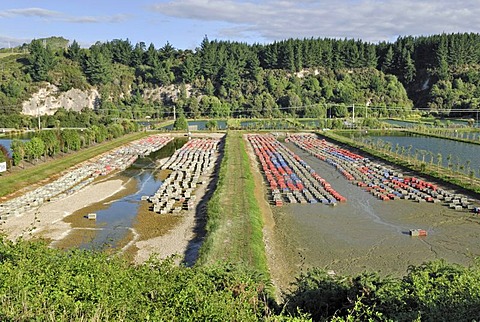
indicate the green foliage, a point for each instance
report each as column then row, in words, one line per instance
column 70, row 140
column 434, row 291
column 67, row 74
column 282, row 79
column 34, row 148
column 181, row 123
column 51, row 142
column 18, row 151
column 39, row 283
column 211, row 125
column 98, row 67
column 41, row 60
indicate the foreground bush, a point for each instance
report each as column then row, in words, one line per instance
column 434, row 291
column 43, row 284
column 39, row 283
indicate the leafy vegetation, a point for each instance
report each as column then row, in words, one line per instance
column 41, row 283
column 51, row 142
column 181, row 123
column 296, row 77
column 434, row 291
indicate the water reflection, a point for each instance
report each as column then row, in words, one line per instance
column 454, row 154
column 115, row 219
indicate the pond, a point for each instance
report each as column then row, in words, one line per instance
column 6, row 141
column 464, row 156
column 115, row 217
column 366, row 233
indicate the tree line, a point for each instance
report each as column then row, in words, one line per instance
column 49, row 143
column 296, row 77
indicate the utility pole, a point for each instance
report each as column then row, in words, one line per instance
column 38, row 114
column 353, row 118
column 174, row 113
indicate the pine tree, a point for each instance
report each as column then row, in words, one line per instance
column 387, row 65
column 98, row 68
column 41, row 59
column 441, row 54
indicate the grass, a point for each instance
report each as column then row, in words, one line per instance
column 234, row 228
column 21, row 178
column 2, row 55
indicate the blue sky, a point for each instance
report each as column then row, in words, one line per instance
column 184, row 23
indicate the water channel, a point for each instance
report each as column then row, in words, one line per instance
column 367, row 234
column 117, row 215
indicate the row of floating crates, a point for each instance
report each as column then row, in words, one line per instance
column 290, row 178
column 188, row 164
column 382, row 182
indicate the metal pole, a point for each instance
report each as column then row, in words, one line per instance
column 353, row 119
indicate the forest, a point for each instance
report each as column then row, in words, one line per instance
column 313, row 78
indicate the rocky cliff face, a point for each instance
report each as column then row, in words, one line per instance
column 49, row 99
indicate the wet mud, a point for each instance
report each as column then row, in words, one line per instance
column 367, row 234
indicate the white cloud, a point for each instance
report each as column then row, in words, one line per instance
column 99, row 19
column 58, row 16
column 370, row 20
column 29, row 12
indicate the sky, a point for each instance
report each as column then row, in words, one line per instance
column 184, row 23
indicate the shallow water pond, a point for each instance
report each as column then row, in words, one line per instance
column 368, row 234
column 117, row 215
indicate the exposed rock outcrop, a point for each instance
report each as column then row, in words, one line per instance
column 49, row 99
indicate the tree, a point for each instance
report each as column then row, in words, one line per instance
column 211, row 125
column 137, row 54
column 34, row 148
column 97, row 67
column 51, row 141
column 439, row 160
column 71, row 140
column 18, row 151
column 41, row 60
column 388, row 60
column 181, row 123
column 188, row 70
column 409, row 70
column 151, row 56
column 121, row 51
column 229, row 76
column 74, row 52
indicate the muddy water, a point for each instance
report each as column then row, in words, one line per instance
column 368, row 234
column 118, row 214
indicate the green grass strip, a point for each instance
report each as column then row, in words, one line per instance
column 235, row 224
column 21, row 178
